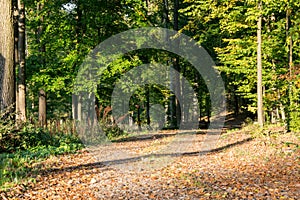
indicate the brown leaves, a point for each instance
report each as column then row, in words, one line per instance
column 259, row 169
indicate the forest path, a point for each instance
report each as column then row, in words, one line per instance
column 238, row 167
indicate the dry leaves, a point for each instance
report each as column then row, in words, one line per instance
column 263, row 168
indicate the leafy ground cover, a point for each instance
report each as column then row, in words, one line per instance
column 25, row 149
column 245, row 164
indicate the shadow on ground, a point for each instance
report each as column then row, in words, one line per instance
column 231, row 122
column 89, row 166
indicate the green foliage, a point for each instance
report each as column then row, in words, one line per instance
column 21, row 149
column 112, row 131
column 234, row 43
column 109, row 125
column 22, row 145
column 30, row 136
column 7, row 132
column 226, row 29
column 15, row 167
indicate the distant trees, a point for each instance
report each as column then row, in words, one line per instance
column 60, row 34
column 233, row 25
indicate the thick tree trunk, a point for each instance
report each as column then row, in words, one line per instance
column 260, row 114
column 21, row 74
column 7, row 78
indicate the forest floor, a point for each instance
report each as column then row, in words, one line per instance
column 241, row 165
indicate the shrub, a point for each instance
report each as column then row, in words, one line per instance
column 108, row 124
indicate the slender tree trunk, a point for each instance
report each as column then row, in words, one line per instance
column 236, row 102
column 75, row 106
column 166, row 20
column 290, row 64
column 260, row 114
column 21, row 52
column 170, row 107
column 42, row 108
column 7, row 72
column 79, row 29
column 200, row 104
column 139, row 122
column 148, row 106
column 207, row 102
column 184, row 107
column 40, row 30
column 16, row 56
column 79, row 107
column 177, row 66
column 283, row 117
column 42, row 62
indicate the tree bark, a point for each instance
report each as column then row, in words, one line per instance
column 7, row 73
column 21, row 52
column 260, row 117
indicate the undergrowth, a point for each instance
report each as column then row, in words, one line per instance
column 21, row 148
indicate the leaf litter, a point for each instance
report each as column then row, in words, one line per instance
column 240, row 167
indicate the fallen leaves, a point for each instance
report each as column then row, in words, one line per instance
column 248, row 170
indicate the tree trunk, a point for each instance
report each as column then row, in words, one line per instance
column 290, row 64
column 177, row 67
column 79, row 107
column 42, row 108
column 75, row 106
column 207, row 103
column 171, row 106
column 281, row 106
column 236, row 102
column 139, row 122
column 21, row 74
column 7, row 75
column 40, row 29
column 16, row 56
column 166, row 20
column 148, row 107
column 260, row 117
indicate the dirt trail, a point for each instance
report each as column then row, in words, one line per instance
column 239, row 167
